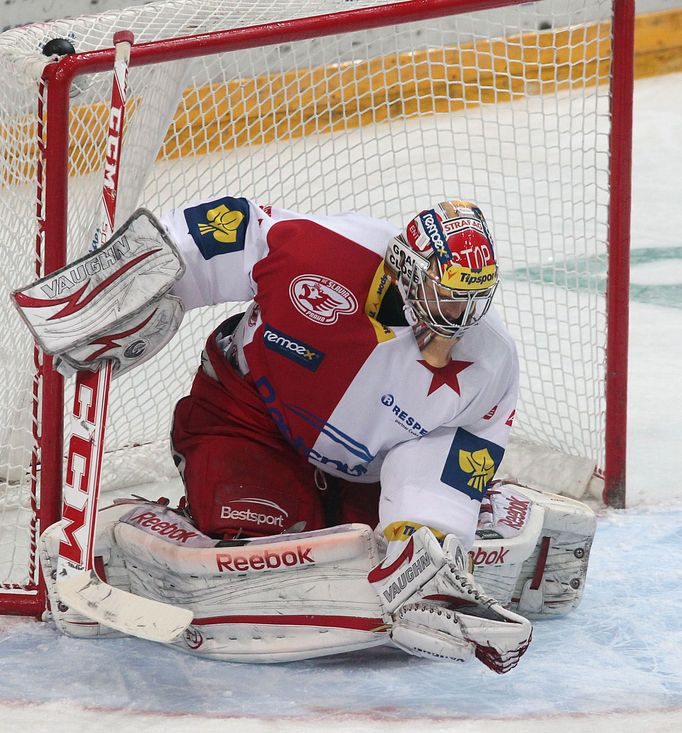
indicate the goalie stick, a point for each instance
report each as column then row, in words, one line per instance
column 79, row 586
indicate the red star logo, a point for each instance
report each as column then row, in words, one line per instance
column 445, row 375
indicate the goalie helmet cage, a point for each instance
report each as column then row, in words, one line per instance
column 326, row 105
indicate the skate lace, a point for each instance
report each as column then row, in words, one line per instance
column 470, row 587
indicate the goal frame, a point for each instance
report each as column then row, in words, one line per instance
column 52, row 216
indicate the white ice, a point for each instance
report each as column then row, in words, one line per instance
column 613, row 665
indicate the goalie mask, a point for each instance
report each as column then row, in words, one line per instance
column 444, row 267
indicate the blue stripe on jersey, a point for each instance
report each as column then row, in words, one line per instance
column 350, row 444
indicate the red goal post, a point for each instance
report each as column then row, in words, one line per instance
column 329, row 105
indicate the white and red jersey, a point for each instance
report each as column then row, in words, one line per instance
column 352, row 393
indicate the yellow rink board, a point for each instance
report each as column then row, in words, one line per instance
column 293, row 104
column 323, row 99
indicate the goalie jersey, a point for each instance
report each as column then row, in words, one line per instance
column 327, row 346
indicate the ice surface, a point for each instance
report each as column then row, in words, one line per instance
column 614, row 665
column 618, row 653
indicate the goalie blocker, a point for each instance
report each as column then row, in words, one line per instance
column 298, row 596
column 113, row 304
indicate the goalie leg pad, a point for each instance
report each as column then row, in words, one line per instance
column 509, row 530
column 540, row 570
column 108, row 562
column 270, row 599
column 273, row 599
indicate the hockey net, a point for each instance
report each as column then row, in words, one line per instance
column 384, row 109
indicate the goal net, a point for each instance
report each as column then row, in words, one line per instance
column 318, row 106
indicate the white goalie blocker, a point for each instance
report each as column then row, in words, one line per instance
column 298, row 596
column 113, row 304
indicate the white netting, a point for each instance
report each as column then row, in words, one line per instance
column 487, row 106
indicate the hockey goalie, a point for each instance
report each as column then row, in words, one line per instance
column 339, row 444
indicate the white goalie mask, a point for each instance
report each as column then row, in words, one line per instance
column 444, row 267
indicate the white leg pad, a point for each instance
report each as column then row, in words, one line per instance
column 273, row 599
column 68, row 621
column 540, row 571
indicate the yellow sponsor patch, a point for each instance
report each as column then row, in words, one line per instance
column 479, row 464
column 463, row 278
column 402, row 531
column 218, row 227
column 222, row 223
column 375, row 295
